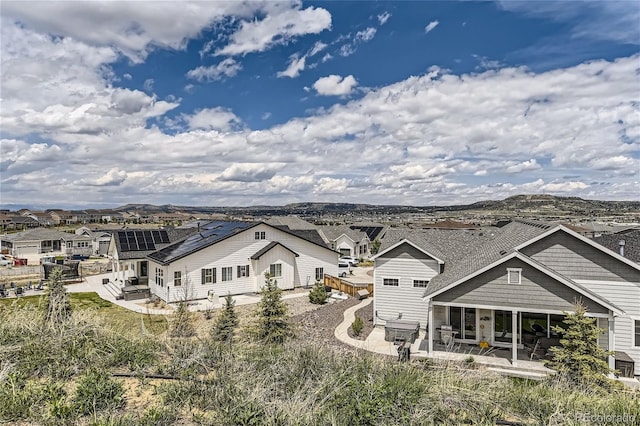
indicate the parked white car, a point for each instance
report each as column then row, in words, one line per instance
column 350, row 260
column 5, row 261
column 344, row 269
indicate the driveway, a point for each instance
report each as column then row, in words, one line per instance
column 361, row 275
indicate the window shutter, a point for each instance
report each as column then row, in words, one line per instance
column 213, row 272
column 201, row 276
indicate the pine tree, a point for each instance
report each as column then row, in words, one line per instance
column 226, row 323
column 318, row 295
column 58, row 306
column 580, row 358
column 273, row 325
column 182, row 325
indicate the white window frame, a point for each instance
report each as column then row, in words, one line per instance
column 226, row 274
column 514, row 270
column 387, row 282
column 260, row 235
column 177, row 278
column 275, row 270
column 319, row 274
column 635, row 332
column 425, row 282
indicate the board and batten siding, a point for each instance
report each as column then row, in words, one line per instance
column 578, row 260
column 237, row 251
column 406, row 264
column 626, row 296
column 284, row 257
column 536, row 291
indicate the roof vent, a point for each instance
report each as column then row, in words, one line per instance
column 503, row 252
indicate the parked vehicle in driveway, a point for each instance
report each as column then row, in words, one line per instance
column 344, row 269
column 5, row 261
column 350, row 260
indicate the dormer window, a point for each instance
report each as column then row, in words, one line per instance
column 514, row 275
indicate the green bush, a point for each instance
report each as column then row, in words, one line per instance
column 318, row 295
column 357, row 325
column 98, row 391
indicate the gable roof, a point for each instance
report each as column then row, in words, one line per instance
column 432, row 292
column 561, row 228
column 292, row 222
column 333, row 232
column 38, row 234
column 476, row 258
column 270, row 246
column 448, row 245
column 420, row 248
column 210, row 234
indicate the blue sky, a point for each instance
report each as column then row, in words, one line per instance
column 228, row 103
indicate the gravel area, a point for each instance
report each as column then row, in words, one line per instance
column 366, row 314
column 318, row 326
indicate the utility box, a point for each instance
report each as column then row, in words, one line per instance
column 362, row 294
column 624, row 364
column 401, row 331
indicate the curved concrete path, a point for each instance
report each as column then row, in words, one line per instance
column 349, row 316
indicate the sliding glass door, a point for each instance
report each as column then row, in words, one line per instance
column 463, row 322
column 503, row 327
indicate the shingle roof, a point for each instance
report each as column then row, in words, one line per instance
column 333, row 232
column 631, row 243
column 509, row 237
column 447, row 245
column 38, row 234
column 292, row 222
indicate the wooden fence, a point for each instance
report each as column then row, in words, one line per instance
column 346, row 286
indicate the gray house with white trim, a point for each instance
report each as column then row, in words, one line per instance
column 509, row 284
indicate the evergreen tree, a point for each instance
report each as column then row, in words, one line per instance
column 580, row 358
column 273, row 325
column 182, row 325
column 226, row 322
column 58, row 307
column 318, row 295
column 375, row 246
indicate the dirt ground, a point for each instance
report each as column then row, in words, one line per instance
column 366, row 314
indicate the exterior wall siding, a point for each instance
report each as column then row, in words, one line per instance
column 390, row 301
column 536, row 291
column 578, row 260
column 625, row 295
column 237, row 251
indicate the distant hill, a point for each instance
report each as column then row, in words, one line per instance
column 532, row 204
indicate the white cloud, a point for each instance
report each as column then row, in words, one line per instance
column 366, row 34
column 250, row 172
column 223, row 69
column 524, row 166
column 431, row 26
column 335, row 85
column 296, row 64
column 604, row 20
column 422, row 140
column 317, row 48
column 133, row 28
column 327, row 185
column 219, row 118
column 113, row 177
column 276, row 28
column 383, row 18
column 127, row 76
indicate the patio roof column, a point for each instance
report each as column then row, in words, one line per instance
column 430, row 327
column 514, row 338
column 612, row 341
